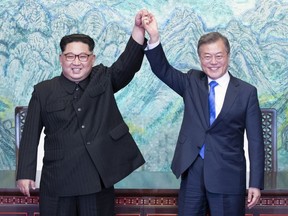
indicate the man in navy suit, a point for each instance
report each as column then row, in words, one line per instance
column 209, row 155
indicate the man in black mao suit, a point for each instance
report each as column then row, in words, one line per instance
column 88, row 147
column 210, row 157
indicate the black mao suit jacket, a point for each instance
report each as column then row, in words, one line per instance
column 224, row 163
column 87, row 144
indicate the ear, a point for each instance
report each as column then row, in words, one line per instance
column 60, row 59
column 93, row 59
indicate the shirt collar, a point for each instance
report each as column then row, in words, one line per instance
column 70, row 86
column 222, row 81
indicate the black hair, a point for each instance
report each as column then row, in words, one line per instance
column 77, row 38
column 211, row 38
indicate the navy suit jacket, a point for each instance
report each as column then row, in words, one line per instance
column 224, row 163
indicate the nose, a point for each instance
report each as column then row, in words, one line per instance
column 213, row 60
column 76, row 61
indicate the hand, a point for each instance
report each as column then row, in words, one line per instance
column 24, row 185
column 254, row 195
column 139, row 17
column 150, row 24
column 138, row 32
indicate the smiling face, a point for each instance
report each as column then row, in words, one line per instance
column 214, row 59
column 76, row 70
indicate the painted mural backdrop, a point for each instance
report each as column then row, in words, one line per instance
column 29, row 52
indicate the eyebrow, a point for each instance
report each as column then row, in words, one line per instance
column 77, row 54
column 215, row 53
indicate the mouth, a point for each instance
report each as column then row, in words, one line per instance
column 214, row 68
column 76, row 70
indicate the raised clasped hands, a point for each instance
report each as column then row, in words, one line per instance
column 145, row 21
column 138, row 32
column 149, row 23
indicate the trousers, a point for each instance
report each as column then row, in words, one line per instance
column 195, row 200
column 96, row 204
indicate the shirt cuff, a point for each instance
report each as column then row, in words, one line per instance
column 151, row 46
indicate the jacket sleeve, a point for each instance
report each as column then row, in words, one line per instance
column 160, row 66
column 27, row 157
column 255, row 142
column 129, row 62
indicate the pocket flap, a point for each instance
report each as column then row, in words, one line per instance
column 97, row 90
column 55, row 106
column 119, row 131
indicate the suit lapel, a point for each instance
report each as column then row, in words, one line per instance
column 203, row 96
column 200, row 98
column 231, row 95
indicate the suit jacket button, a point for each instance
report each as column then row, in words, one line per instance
column 79, row 109
column 83, row 126
column 88, row 143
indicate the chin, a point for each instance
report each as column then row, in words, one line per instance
column 215, row 75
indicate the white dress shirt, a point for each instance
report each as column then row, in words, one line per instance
column 220, row 91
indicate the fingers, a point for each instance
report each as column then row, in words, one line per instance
column 254, row 195
column 146, row 19
column 143, row 17
column 249, row 197
column 139, row 16
column 24, row 190
column 33, row 185
column 25, row 185
column 144, row 12
column 252, row 202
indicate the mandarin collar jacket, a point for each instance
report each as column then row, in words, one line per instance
column 87, row 144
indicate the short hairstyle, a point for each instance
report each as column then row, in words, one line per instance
column 77, row 38
column 211, row 38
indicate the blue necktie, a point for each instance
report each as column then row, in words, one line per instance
column 211, row 101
